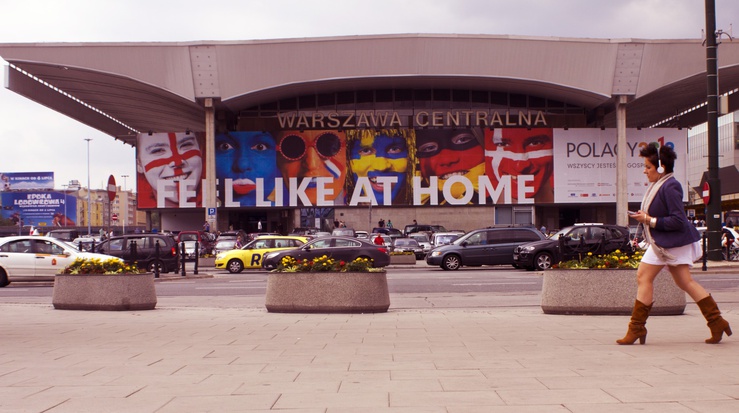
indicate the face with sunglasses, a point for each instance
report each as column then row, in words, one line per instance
column 446, row 153
column 378, row 155
column 243, row 157
column 313, row 154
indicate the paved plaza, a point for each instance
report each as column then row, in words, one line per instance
column 429, row 353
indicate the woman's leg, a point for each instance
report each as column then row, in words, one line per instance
column 683, row 279
column 709, row 308
column 645, row 290
column 645, row 275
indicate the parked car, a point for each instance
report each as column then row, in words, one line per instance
column 85, row 243
column 444, row 238
column 304, row 231
column 34, row 258
column 571, row 243
column 339, row 248
column 204, row 240
column 254, row 235
column 391, row 232
column 408, row 245
column 120, row 246
column 387, row 241
column 486, row 246
column 409, row 229
column 251, row 254
column 64, row 234
column 344, row 232
column 224, row 245
column 423, row 240
column 361, row 234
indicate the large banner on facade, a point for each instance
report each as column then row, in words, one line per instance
column 26, row 181
column 52, row 209
column 170, row 170
column 395, row 166
column 585, row 163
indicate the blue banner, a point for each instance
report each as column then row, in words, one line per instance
column 52, row 209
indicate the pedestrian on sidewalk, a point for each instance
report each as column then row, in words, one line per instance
column 673, row 241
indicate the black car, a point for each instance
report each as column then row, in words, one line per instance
column 120, row 246
column 571, row 243
column 338, row 248
column 486, row 246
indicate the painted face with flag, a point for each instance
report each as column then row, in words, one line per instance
column 517, row 152
column 380, row 154
column 173, row 157
column 448, row 153
column 313, row 154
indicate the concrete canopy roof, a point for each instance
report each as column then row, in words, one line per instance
column 120, row 88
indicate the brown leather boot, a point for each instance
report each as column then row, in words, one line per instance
column 716, row 323
column 639, row 316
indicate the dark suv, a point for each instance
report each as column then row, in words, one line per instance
column 571, row 243
column 486, row 246
column 120, row 246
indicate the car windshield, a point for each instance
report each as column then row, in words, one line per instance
column 406, row 242
column 420, row 237
column 225, row 244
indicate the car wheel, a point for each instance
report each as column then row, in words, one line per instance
column 235, row 266
column 451, row 262
column 543, row 261
column 3, row 279
column 154, row 264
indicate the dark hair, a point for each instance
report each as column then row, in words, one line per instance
column 667, row 156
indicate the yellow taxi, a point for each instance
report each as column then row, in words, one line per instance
column 250, row 255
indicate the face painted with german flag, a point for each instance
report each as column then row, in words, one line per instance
column 379, row 156
column 447, row 153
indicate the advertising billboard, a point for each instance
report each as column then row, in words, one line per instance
column 170, row 170
column 52, row 209
column 26, row 181
column 396, row 166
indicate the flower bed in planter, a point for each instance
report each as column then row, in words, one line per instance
column 111, row 292
column 324, row 285
column 95, row 285
column 605, row 292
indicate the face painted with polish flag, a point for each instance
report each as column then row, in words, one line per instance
column 517, row 152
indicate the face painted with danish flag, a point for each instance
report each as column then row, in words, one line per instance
column 170, row 157
column 518, row 152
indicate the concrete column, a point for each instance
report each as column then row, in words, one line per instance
column 209, row 191
column 622, row 195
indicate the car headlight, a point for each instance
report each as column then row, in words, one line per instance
column 435, row 253
column 527, row 249
column 220, row 256
column 271, row 255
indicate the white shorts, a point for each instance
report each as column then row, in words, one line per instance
column 687, row 254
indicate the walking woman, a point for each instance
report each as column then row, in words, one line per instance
column 673, row 241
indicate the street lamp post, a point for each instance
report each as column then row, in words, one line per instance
column 65, row 203
column 125, row 205
column 89, row 205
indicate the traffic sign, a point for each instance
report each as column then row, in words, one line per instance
column 111, row 188
column 706, row 193
column 114, row 217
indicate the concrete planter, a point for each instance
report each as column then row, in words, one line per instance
column 109, row 292
column 327, row 292
column 402, row 259
column 605, row 292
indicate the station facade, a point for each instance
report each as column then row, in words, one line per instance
column 462, row 131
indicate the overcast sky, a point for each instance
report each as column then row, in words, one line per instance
column 36, row 139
